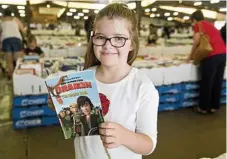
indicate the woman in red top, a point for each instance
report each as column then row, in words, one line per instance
column 211, row 68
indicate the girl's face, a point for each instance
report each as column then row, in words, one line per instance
column 107, row 54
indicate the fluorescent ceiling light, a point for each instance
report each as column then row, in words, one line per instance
column 81, row 14
column 214, row 1
column 96, row 11
column 154, row 9
column 86, row 5
column 170, row 18
column 22, row 15
column 223, row 9
column 69, row 13
column 21, row 2
column 76, row 17
column 85, row 10
column 147, row 10
column 36, row 1
column 197, row 3
column 21, row 11
column 72, row 10
column 175, row 13
column 167, row 14
column 186, row 17
column 60, row 12
column 158, row 15
column 60, row 3
column 131, row 5
column 145, row 3
column 4, row 6
column 85, row 17
column 207, row 13
column 20, row 7
column 152, row 15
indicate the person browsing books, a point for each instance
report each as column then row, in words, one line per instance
column 131, row 100
column 32, row 48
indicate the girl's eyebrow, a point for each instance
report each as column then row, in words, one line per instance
column 116, row 34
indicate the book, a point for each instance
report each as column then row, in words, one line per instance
column 77, row 103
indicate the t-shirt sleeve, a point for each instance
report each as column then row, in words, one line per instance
column 39, row 51
column 196, row 28
column 147, row 113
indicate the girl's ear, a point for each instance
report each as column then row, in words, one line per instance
column 131, row 48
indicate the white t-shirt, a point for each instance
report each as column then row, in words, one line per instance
column 133, row 104
column 10, row 29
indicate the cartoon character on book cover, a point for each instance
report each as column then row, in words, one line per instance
column 77, row 103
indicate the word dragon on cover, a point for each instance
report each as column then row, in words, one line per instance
column 72, row 86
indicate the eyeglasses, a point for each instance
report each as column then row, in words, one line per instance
column 117, row 41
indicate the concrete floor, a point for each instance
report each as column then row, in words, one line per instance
column 182, row 135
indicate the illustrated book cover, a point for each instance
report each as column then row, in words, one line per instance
column 77, row 103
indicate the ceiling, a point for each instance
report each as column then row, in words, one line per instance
column 156, row 4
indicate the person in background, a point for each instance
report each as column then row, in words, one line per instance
column 32, row 48
column 166, row 32
column 223, row 32
column 88, row 25
column 11, row 38
column 153, row 36
column 212, row 67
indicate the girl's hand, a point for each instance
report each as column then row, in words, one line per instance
column 112, row 134
column 50, row 103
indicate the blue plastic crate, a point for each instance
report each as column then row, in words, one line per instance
column 22, row 101
column 20, row 113
column 189, row 103
column 223, row 100
column 168, row 106
column 171, row 98
column 35, row 122
column 169, row 89
column 189, row 95
column 190, row 86
column 224, row 84
column 223, row 92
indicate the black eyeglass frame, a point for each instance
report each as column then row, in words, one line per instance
column 109, row 39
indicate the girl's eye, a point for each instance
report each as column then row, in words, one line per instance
column 118, row 38
column 99, row 37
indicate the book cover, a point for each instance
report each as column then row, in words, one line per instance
column 77, row 103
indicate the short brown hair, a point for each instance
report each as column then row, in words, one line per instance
column 31, row 38
column 197, row 15
column 115, row 10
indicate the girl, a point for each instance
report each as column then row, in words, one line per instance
column 131, row 127
column 130, row 130
column 33, row 48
